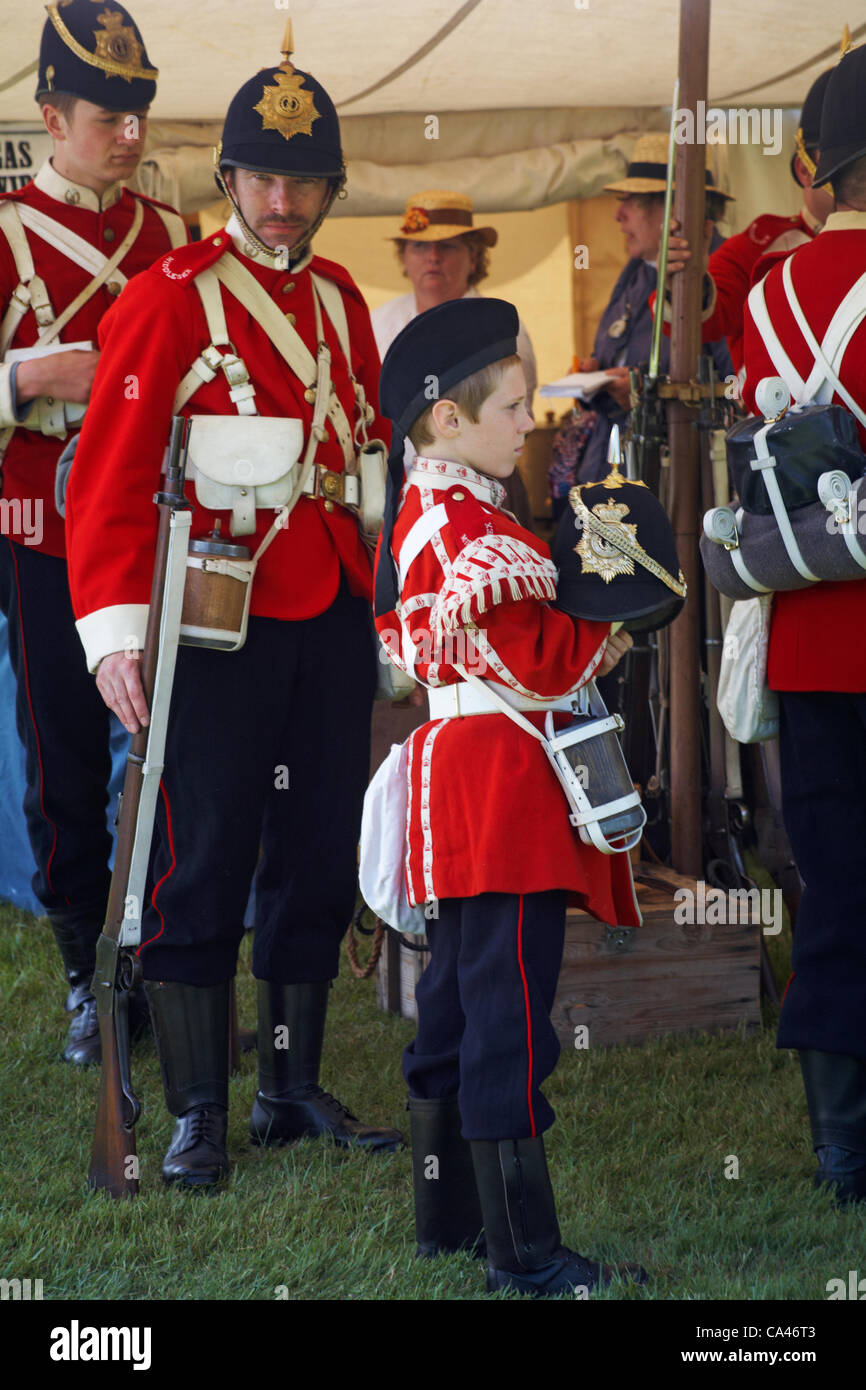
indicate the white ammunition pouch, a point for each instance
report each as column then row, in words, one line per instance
column 241, row 463
column 361, row 486
column 612, row 825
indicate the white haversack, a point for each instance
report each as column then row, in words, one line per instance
column 382, row 873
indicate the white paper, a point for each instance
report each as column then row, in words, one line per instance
column 583, row 384
column 27, row 354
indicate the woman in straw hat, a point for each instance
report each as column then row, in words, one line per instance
column 445, row 256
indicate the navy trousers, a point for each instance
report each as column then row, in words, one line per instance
column 266, row 764
column 484, row 1001
column 823, row 756
column 64, row 727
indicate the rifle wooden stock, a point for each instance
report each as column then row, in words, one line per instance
column 113, row 1161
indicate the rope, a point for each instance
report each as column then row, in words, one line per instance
column 18, row 76
column 363, row 972
column 446, row 29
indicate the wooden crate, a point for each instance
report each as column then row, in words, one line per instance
column 628, row 984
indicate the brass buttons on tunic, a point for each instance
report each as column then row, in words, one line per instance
column 290, row 318
column 458, row 496
column 217, row 241
column 114, row 287
column 310, row 395
column 288, row 287
column 329, row 506
column 108, row 234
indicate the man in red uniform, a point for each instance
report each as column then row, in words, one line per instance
column 69, row 241
column 817, row 661
column 460, row 585
column 740, row 260
column 268, row 746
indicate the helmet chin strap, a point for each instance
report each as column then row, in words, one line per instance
column 278, row 257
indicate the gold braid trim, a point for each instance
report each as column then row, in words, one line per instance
column 621, row 541
column 106, row 65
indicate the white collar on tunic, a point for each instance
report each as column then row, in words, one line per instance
column 47, row 180
column 274, row 260
column 442, row 473
column 813, row 223
column 852, row 221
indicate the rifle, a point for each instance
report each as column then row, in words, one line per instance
column 113, row 1160
column 649, row 418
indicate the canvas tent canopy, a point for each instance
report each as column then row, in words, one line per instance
column 533, row 105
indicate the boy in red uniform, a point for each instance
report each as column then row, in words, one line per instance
column 459, row 584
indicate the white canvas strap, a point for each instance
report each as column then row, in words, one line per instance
column 334, row 307
column 823, row 371
column 288, row 342
column 30, row 292
column 418, row 536
column 70, row 244
column 151, row 772
column 317, row 434
column 739, row 563
column 765, row 464
column 779, row 357
column 175, row 228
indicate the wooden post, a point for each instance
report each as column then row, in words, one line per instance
column 685, row 704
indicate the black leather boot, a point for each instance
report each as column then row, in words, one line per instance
column 76, row 941
column 191, row 1027
column 524, row 1249
column 447, row 1210
column 835, row 1085
column 290, row 1103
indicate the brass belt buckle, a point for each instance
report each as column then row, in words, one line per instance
column 331, row 485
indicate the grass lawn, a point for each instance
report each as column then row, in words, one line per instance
column 638, row 1156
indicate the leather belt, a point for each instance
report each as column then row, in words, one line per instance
column 453, row 701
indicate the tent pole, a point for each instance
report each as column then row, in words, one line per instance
column 685, row 703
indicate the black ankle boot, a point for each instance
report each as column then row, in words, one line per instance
column 524, row 1249
column 290, row 1103
column 191, row 1027
column 447, row 1210
column 835, row 1085
column 76, row 941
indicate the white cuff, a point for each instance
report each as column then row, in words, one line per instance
column 116, row 629
column 8, row 417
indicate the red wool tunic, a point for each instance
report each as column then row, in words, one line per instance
column 31, row 458
column 739, row 262
column 486, row 812
column 816, row 634
column 148, row 344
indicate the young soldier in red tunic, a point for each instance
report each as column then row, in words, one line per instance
column 817, row 658
column 268, row 746
column 489, row 843
column 69, row 242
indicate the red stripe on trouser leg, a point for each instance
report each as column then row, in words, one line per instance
column 169, row 871
column 528, row 1016
column 46, row 818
